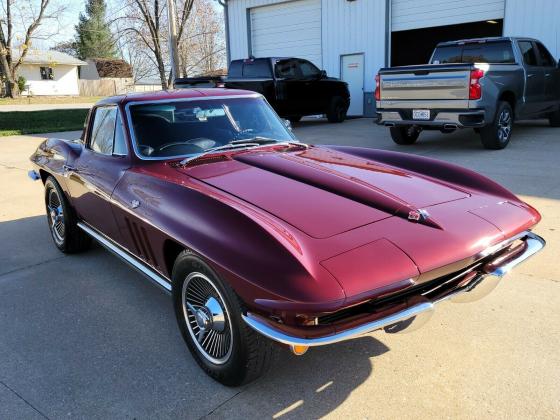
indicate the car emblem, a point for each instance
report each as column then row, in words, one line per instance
column 417, row 215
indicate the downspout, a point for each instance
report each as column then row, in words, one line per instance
column 224, row 4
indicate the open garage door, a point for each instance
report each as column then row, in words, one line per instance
column 417, row 26
column 291, row 29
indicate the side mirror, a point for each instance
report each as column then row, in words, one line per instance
column 323, row 74
column 288, row 124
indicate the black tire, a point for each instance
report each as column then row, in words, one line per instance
column 497, row 134
column 62, row 220
column 294, row 119
column 554, row 119
column 247, row 354
column 337, row 110
column 404, row 134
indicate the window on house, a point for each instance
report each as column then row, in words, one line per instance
column 47, row 73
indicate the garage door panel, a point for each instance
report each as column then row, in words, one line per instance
column 413, row 14
column 281, row 29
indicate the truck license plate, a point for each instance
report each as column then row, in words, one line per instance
column 420, row 114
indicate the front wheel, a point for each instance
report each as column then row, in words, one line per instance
column 337, row 110
column 208, row 313
column 404, row 134
column 497, row 134
column 63, row 224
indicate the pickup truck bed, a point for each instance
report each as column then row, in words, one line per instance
column 481, row 83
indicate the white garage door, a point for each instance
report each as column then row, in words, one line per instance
column 414, row 14
column 287, row 29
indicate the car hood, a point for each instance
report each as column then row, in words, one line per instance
column 323, row 192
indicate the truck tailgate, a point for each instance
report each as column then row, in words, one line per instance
column 426, row 82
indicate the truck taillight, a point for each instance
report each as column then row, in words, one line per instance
column 377, row 88
column 475, row 90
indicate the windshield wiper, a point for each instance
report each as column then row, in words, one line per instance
column 241, row 144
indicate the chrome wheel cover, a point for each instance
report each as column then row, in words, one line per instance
column 505, row 123
column 55, row 216
column 207, row 318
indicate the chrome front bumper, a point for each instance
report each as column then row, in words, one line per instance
column 410, row 318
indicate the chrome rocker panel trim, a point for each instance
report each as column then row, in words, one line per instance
column 417, row 314
column 131, row 260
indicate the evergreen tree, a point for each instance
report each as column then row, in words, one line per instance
column 93, row 35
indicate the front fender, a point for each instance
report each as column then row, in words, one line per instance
column 258, row 254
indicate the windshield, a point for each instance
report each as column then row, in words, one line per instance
column 190, row 127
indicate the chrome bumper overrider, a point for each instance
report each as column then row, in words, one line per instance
column 411, row 317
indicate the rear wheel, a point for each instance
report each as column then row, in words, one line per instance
column 337, row 110
column 63, row 223
column 209, row 316
column 404, row 134
column 497, row 134
column 554, row 118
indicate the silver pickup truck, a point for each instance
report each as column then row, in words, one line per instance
column 484, row 84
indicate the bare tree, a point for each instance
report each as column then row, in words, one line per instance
column 147, row 20
column 29, row 15
column 202, row 49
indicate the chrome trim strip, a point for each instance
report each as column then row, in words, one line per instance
column 534, row 244
column 126, row 257
column 283, row 338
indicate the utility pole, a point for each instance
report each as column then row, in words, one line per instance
column 176, row 68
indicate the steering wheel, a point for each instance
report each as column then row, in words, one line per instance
column 201, row 142
column 239, row 134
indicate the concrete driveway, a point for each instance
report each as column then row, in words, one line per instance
column 84, row 336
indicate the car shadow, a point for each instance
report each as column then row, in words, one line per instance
column 84, row 335
column 309, row 386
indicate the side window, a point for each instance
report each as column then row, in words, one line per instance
column 286, row 69
column 103, row 130
column 546, row 58
column 119, row 147
column 528, row 52
column 308, row 70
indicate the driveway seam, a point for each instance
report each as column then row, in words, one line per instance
column 24, row 400
column 221, row 405
column 15, row 270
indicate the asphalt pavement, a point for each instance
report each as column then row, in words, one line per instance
column 84, row 336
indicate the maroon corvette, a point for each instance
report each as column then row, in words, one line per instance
column 260, row 238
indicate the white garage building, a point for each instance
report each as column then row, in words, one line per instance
column 352, row 39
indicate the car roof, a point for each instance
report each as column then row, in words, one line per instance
column 173, row 94
column 481, row 40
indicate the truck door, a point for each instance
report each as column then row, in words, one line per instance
column 534, row 97
column 290, row 94
column 314, row 92
column 551, row 76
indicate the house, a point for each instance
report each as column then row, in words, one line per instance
column 115, row 75
column 48, row 72
column 352, row 39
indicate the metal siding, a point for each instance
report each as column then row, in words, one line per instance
column 537, row 19
column 281, row 29
column 413, row 14
column 351, row 28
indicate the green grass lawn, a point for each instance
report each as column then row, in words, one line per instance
column 24, row 100
column 31, row 122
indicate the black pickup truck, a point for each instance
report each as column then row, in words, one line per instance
column 293, row 86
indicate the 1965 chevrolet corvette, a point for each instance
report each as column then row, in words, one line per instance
column 260, row 238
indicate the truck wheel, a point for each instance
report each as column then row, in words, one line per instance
column 208, row 313
column 66, row 234
column 404, row 134
column 497, row 134
column 554, row 118
column 337, row 110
